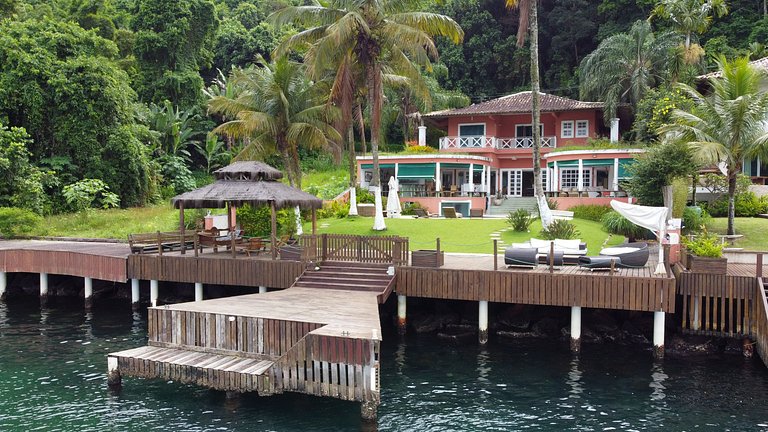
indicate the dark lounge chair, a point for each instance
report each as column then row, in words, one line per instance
column 631, row 254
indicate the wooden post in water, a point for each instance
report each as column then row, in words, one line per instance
column 3, row 285
column 198, row 291
column 153, row 289
column 43, row 289
column 88, row 290
column 576, row 328
column 482, row 318
column 135, row 295
column 401, row 314
column 658, row 335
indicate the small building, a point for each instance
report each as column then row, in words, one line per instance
column 487, row 152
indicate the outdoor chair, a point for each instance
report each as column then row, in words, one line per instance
column 630, row 254
column 254, row 245
column 451, row 213
column 422, row 213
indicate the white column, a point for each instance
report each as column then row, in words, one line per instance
column 488, row 182
column 482, row 179
column 438, row 179
column 262, row 289
column 482, row 318
column 397, row 169
column 352, row 201
column 198, row 291
column 3, row 285
column 153, row 292
column 615, row 185
column 88, row 288
column 581, row 176
column 422, row 135
column 401, row 321
column 43, row 286
column 575, row 328
column 135, row 293
column 614, row 130
column 696, row 324
column 658, row 334
column 471, row 178
column 555, row 177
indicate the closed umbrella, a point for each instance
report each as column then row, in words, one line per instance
column 393, row 201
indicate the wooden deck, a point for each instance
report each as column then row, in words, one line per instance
column 290, row 340
column 471, row 277
column 105, row 261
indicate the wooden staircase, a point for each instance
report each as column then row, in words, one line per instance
column 349, row 276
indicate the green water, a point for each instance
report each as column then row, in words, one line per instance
column 52, row 378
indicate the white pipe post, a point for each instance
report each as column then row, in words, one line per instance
column 262, row 289
column 482, row 318
column 658, row 335
column 401, row 315
column 438, row 179
column 3, row 285
column 555, row 177
column 696, row 324
column 135, row 298
column 153, row 292
column 580, row 186
column 43, row 288
column 88, row 292
column 198, row 291
column 615, row 185
column 575, row 329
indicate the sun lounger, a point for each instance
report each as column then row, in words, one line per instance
column 451, row 213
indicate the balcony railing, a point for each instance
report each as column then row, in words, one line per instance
column 490, row 142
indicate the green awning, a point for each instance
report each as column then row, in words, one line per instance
column 623, row 165
column 588, row 163
column 564, row 164
column 416, row 171
column 464, row 166
column 381, row 166
column 598, row 162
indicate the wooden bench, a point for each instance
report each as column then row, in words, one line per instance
column 214, row 238
column 159, row 242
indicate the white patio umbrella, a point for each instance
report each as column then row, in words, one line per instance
column 653, row 218
column 393, row 201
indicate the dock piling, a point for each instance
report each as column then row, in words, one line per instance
column 483, row 321
column 88, row 289
column 262, row 289
column 198, row 291
column 113, row 373
column 401, row 314
column 369, row 411
column 153, row 292
column 43, row 289
column 575, row 329
column 3, row 285
column 658, row 335
column 135, row 294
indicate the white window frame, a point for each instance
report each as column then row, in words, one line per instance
column 569, row 178
column 563, row 123
column 581, row 132
column 458, row 128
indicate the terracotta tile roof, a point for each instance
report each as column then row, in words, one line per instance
column 759, row 63
column 518, row 103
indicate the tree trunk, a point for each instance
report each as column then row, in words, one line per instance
column 731, row 200
column 352, row 171
column 361, row 128
column 375, row 98
column 291, row 161
column 694, row 184
column 534, row 28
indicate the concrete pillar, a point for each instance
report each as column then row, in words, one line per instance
column 580, row 185
column 369, row 411
column 438, row 178
column 555, row 183
column 488, row 183
column 113, row 373
column 88, row 289
column 482, row 319
column 615, row 185
column 3, row 285
column 43, row 289
column 696, row 324
column 575, row 329
column 471, row 179
column 135, row 294
column 614, row 130
column 401, row 317
column 153, row 292
column 198, row 291
column 422, row 135
column 482, row 180
column 658, row 335
column 262, row 289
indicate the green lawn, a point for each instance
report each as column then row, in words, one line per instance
column 458, row 235
column 114, row 223
column 753, row 229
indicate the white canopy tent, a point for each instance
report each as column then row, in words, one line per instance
column 652, row 218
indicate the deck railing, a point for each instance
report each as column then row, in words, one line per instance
column 492, row 142
column 366, row 249
column 761, row 321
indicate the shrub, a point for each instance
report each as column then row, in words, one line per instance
column 88, row 193
column 746, row 204
column 337, row 209
column 591, row 212
column 420, row 149
column 694, row 218
column 364, row 197
column 16, row 221
column 615, row 223
column 560, row 229
column 409, row 207
column 520, row 220
column 704, row 245
column 257, row 221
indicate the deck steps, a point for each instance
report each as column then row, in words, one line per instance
column 348, row 276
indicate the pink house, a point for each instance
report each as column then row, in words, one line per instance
column 487, row 153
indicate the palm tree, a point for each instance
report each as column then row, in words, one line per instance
column 529, row 22
column 625, row 65
column 690, row 16
column 370, row 30
column 727, row 126
column 276, row 109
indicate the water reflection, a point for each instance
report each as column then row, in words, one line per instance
column 400, row 356
column 574, row 380
column 658, row 403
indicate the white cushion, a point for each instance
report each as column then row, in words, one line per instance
column 521, row 245
column 538, row 243
column 567, row 244
column 617, row 250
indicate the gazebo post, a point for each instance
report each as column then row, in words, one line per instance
column 314, row 222
column 181, row 227
column 231, row 230
column 274, row 230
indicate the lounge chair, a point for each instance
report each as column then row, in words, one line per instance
column 422, row 213
column 631, row 254
column 520, row 257
column 594, row 263
column 451, row 213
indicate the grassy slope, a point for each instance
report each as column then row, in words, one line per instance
column 115, row 223
column 753, row 229
column 457, row 235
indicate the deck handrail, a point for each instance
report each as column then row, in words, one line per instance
column 349, row 247
column 761, row 320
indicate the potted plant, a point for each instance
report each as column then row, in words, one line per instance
column 497, row 199
column 705, row 254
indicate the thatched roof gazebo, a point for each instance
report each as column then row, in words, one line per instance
column 252, row 183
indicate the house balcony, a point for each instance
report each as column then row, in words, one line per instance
column 493, row 143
